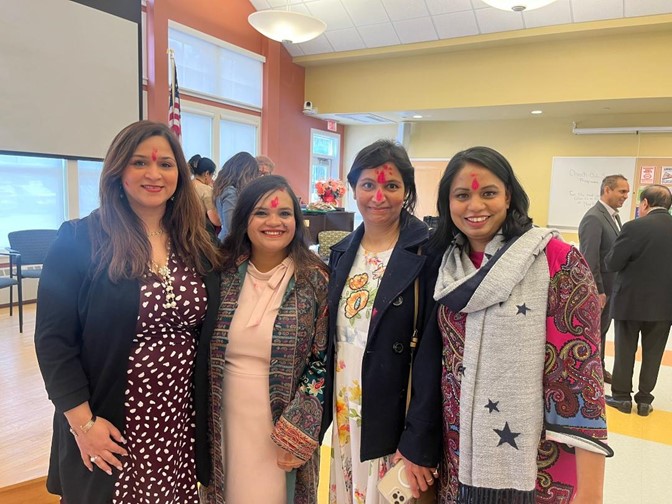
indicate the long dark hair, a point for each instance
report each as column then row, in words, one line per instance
column 379, row 153
column 238, row 171
column 119, row 242
column 238, row 243
column 517, row 220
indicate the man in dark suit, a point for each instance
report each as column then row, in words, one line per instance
column 642, row 297
column 597, row 232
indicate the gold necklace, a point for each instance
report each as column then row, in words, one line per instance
column 155, row 233
column 163, row 272
column 388, row 247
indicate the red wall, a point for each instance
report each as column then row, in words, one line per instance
column 285, row 132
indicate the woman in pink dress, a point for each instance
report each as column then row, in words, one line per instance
column 267, row 355
column 518, row 332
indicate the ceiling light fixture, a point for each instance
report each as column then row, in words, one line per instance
column 518, row 5
column 632, row 130
column 537, row 112
column 417, row 116
column 286, row 26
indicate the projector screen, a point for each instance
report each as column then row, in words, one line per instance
column 69, row 75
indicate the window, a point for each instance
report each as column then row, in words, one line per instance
column 235, row 137
column 214, row 69
column 218, row 133
column 325, row 156
column 32, row 194
column 88, row 179
column 196, row 134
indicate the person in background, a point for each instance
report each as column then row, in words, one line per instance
column 598, row 230
column 642, row 298
column 236, row 173
column 203, row 170
column 372, row 307
column 127, row 302
column 267, row 355
column 516, row 348
column 266, row 165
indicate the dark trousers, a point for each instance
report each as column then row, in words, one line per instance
column 654, row 339
column 605, row 322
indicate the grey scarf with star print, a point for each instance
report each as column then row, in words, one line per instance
column 501, row 398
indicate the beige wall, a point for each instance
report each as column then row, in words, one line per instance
column 596, row 66
column 528, row 144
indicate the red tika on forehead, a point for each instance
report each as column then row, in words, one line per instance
column 275, row 202
column 155, row 154
column 381, row 176
column 474, row 183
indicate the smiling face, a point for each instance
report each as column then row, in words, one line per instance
column 616, row 197
column 150, row 178
column 379, row 194
column 272, row 225
column 478, row 204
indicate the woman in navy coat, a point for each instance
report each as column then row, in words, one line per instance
column 371, row 310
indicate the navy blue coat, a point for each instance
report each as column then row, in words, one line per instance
column 83, row 336
column 387, row 356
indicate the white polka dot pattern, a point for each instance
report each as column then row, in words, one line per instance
column 160, row 428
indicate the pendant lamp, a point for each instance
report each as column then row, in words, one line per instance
column 287, row 26
column 518, row 5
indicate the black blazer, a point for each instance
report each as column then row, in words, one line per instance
column 641, row 256
column 387, row 357
column 83, row 335
column 597, row 233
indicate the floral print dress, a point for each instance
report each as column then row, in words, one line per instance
column 352, row 481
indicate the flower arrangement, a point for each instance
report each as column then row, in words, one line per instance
column 330, row 190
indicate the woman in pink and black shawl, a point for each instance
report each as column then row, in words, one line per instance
column 517, row 328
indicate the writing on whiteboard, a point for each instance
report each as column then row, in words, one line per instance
column 575, row 187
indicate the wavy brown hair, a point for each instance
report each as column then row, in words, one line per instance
column 119, row 239
column 238, row 171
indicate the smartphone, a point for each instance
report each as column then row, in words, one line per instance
column 394, row 486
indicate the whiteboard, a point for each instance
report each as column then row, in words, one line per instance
column 575, row 187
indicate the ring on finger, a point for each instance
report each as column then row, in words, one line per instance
column 430, row 480
column 94, row 458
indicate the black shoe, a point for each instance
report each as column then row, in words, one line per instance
column 643, row 409
column 622, row 406
column 607, row 376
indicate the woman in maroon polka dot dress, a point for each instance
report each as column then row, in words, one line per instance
column 127, row 305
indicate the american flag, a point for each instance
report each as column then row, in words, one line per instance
column 174, row 119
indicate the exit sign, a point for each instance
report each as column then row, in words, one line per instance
column 331, row 125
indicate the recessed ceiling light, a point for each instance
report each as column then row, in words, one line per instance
column 537, row 112
column 417, row 116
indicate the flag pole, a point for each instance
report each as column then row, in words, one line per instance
column 171, row 55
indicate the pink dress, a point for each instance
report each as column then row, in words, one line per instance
column 250, row 456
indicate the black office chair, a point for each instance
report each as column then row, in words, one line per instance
column 10, row 282
column 29, row 248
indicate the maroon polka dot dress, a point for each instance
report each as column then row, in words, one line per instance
column 160, row 428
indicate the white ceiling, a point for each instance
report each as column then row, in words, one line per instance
column 365, row 24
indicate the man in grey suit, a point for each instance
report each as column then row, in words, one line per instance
column 642, row 298
column 597, row 232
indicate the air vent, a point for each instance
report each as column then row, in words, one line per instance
column 364, row 118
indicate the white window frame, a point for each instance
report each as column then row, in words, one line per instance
column 225, row 45
column 336, row 167
column 218, row 114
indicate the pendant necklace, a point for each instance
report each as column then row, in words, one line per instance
column 166, row 278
